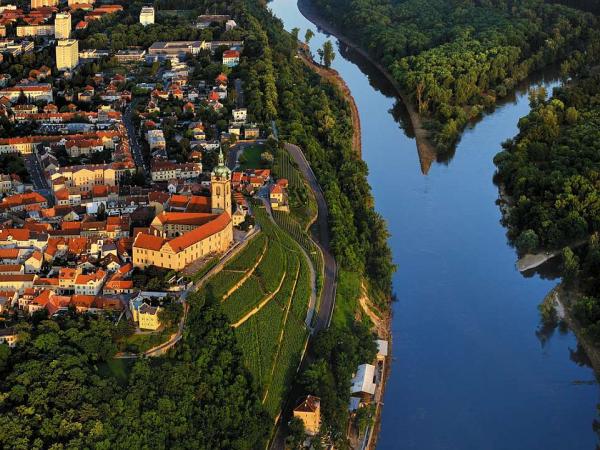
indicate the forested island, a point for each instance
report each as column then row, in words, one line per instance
column 549, row 173
column 456, row 59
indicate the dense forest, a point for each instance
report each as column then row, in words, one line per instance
column 456, row 58
column 57, row 389
column 551, row 174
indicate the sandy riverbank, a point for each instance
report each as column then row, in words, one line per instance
column 425, row 148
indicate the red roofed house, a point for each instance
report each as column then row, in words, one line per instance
column 90, row 284
column 231, row 58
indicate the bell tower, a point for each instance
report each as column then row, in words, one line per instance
column 220, row 186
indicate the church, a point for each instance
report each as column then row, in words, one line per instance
column 179, row 237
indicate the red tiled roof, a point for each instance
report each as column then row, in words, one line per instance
column 17, row 234
column 200, row 233
column 182, row 218
column 148, row 242
column 9, row 253
column 10, row 268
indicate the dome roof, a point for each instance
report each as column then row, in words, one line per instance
column 221, row 170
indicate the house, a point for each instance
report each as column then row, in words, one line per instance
column 33, row 264
column 278, row 198
column 382, row 349
column 309, row 412
column 16, row 282
column 7, row 300
column 8, row 336
column 231, row 58
column 239, row 115
column 20, row 202
column 363, row 383
column 90, row 284
column 148, row 317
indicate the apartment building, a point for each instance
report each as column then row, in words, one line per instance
column 67, row 54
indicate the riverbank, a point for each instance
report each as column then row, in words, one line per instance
column 563, row 299
column 334, row 78
column 382, row 323
column 425, row 147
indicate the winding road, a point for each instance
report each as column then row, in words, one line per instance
column 321, row 237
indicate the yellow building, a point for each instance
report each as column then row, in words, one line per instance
column 41, row 3
column 86, row 177
column 62, row 25
column 309, row 412
column 148, row 317
column 67, row 54
column 178, row 239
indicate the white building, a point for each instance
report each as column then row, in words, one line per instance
column 147, row 15
column 89, row 284
column 363, row 382
column 240, row 115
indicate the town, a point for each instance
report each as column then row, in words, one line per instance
column 131, row 178
column 108, row 172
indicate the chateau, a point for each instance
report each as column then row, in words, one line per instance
column 176, row 239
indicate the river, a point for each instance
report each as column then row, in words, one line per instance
column 469, row 370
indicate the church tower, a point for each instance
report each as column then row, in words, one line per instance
column 220, row 185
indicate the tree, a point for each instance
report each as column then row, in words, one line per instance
column 296, row 434
column 527, row 242
column 321, row 53
column 570, row 266
column 101, row 213
column 328, row 53
column 308, row 35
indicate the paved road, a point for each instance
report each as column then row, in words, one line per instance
column 239, row 88
column 37, row 176
column 134, row 143
column 321, row 237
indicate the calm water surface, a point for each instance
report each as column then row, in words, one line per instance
column 469, row 371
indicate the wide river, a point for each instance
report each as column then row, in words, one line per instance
column 469, row 370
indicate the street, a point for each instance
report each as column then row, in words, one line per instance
column 134, row 143
column 36, row 173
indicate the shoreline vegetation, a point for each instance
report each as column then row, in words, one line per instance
column 425, row 148
column 453, row 61
column 335, row 78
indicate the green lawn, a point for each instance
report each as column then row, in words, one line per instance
column 346, row 298
column 251, row 157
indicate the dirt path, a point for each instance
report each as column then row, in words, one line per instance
column 262, row 303
column 425, row 147
column 248, row 274
column 334, row 78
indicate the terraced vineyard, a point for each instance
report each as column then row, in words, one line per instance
column 268, row 309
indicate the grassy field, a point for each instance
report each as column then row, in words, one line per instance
column 273, row 338
column 251, row 157
column 346, row 298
